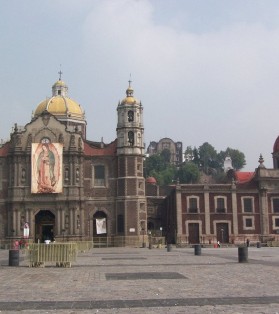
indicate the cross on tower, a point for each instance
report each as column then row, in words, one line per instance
column 60, row 74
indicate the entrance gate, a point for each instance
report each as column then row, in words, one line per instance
column 44, row 226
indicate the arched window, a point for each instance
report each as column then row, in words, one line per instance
column 131, row 138
column 130, row 116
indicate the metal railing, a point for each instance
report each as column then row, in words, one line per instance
column 63, row 254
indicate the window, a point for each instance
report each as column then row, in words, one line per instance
column 248, row 223
column 220, row 205
column 120, row 223
column 99, row 175
column 275, row 203
column 275, row 223
column 193, row 204
column 247, row 204
column 130, row 116
column 131, row 138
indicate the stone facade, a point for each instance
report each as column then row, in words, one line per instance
column 175, row 149
column 100, row 182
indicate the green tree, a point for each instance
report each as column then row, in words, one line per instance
column 154, row 163
column 208, row 158
column 237, row 157
column 188, row 173
column 166, row 176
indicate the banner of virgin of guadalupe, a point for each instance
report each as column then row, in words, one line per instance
column 101, row 226
column 47, row 168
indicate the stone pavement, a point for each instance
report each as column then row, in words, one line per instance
column 136, row 280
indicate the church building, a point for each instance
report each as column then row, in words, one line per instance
column 57, row 184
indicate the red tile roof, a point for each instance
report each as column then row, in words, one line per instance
column 242, row 177
column 107, row 150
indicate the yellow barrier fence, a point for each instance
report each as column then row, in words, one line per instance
column 83, row 246
column 63, row 254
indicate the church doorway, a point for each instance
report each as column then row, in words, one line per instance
column 44, row 226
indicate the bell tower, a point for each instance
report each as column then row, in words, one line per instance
column 131, row 200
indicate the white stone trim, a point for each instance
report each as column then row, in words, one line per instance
column 273, row 223
column 242, row 204
column 244, row 222
column 225, row 203
column 188, row 203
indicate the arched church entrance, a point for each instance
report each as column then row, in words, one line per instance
column 99, row 224
column 44, row 226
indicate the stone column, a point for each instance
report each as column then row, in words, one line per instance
column 264, row 213
column 62, row 218
column 31, row 223
column 234, row 211
column 71, row 221
column 206, row 210
column 58, row 221
column 18, row 218
column 75, row 221
column 178, row 212
column 14, row 223
column 27, row 219
column 82, row 221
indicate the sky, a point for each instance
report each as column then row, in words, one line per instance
column 204, row 70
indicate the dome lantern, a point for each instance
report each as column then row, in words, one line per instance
column 59, row 89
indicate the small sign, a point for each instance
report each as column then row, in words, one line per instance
column 132, row 230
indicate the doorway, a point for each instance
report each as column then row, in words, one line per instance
column 100, row 224
column 44, row 226
column 222, row 230
column 194, row 233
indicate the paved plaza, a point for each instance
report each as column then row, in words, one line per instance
column 137, row 280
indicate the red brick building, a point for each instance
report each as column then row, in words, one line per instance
column 245, row 208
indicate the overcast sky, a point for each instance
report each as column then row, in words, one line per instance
column 205, row 71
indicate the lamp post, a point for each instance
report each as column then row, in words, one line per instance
column 222, row 235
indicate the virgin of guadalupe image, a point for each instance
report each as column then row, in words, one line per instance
column 45, row 170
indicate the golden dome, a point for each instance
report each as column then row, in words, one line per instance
column 60, row 105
